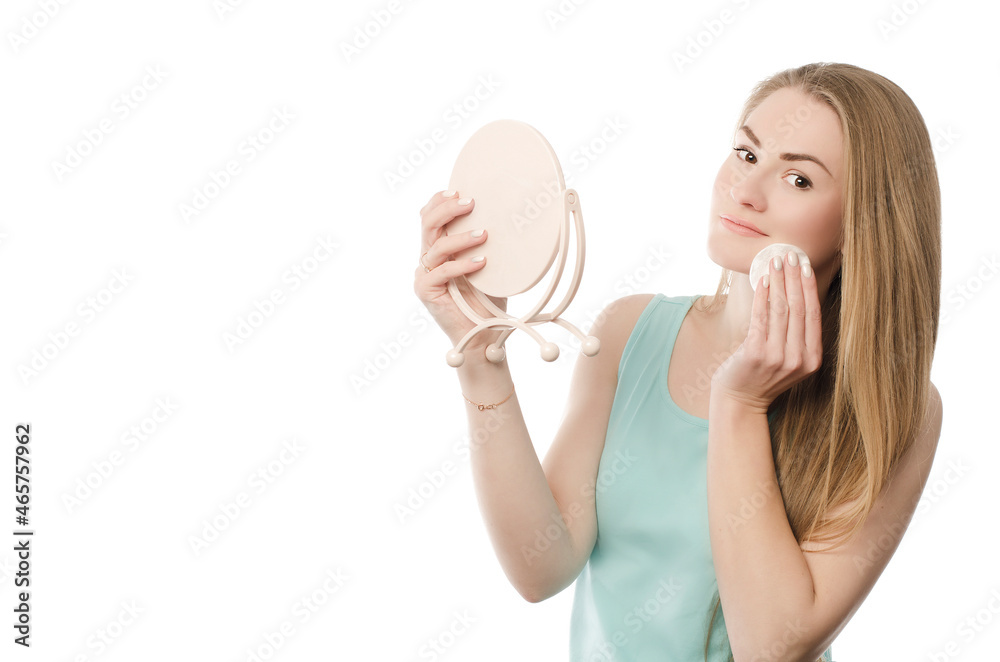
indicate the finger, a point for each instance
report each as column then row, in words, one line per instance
column 441, row 274
column 814, row 319
column 439, row 216
column 757, row 335
column 778, row 308
column 795, row 338
column 447, row 245
column 436, row 199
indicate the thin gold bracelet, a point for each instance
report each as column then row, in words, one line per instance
column 493, row 406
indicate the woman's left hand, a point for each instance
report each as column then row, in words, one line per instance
column 784, row 343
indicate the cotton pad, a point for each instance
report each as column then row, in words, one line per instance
column 759, row 266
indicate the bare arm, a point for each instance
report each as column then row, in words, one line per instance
column 543, row 522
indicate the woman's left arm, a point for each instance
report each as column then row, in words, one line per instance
column 783, row 601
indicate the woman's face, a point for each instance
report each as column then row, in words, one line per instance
column 785, row 179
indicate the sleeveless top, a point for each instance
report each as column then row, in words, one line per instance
column 647, row 590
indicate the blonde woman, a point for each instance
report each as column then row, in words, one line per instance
column 761, row 450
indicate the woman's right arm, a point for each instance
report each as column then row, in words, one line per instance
column 542, row 522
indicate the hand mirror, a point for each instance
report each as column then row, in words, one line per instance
column 523, row 204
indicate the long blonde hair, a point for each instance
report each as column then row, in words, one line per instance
column 860, row 412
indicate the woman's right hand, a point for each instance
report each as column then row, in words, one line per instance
column 431, row 287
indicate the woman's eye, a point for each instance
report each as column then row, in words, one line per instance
column 750, row 157
column 797, row 178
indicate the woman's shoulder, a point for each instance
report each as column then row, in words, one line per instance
column 620, row 316
column 625, row 310
column 645, row 298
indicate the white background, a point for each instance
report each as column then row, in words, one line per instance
column 296, row 378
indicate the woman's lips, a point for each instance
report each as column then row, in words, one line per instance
column 740, row 229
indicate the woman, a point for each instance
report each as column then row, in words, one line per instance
column 667, row 495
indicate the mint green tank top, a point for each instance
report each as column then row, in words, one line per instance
column 646, row 592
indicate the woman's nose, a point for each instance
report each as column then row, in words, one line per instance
column 746, row 191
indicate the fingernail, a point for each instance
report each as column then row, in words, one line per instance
column 465, row 201
column 793, row 258
column 477, row 233
column 448, row 194
column 777, row 263
column 806, row 269
column 478, row 258
column 765, row 281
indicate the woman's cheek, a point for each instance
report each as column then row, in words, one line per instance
column 826, row 219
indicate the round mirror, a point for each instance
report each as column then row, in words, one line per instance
column 515, row 178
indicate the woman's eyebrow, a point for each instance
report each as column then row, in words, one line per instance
column 785, row 156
